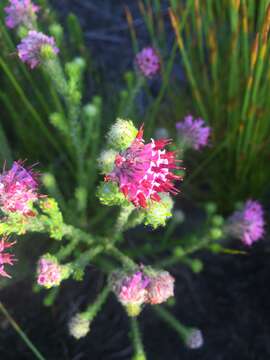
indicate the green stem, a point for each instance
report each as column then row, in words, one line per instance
column 137, row 340
column 20, row 332
column 125, row 260
column 93, row 309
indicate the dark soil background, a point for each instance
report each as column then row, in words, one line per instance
column 229, row 301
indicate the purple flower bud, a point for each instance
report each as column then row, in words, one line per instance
column 247, row 224
column 160, row 288
column 20, row 12
column 148, row 62
column 29, row 50
column 193, row 133
column 195, row 339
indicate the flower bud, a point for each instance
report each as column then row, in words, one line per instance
column 159, row 212
column 160, row 287
column 79, row 326
column 216, row 233
column 195, row 339
column 106, row 161
column 122, row 134
column 50, row 273
column 109, row 194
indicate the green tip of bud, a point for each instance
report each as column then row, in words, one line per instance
column 139, row 356
column 47, row 52
column 121, row 134
column 109, row 194
column 211, row 208
column 56, row 30
column 158, row 213
column 179, row 251
column 217, row 220
column 106, row 161
column 133, row 310
column 48, row 180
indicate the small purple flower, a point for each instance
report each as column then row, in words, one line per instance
column 148, row 62
column 193, row 133
column 49, row 272
column 29, row 50
column 20, row 12
column 18, row 189
column 247, row 224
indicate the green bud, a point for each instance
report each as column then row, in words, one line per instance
column 216, row 233
column 179, row 251
column 196, row 265
column 109, row 194
column 22, row 31
column 158, row 213
column 121, row 134
column 59, row 122
column 211, row 208
column 139, row 357
column 48, row 180
column 217, row 220
column 47, row 52
column 215, row 248
column 56, row 30
column 90, row 111
column 106, row 161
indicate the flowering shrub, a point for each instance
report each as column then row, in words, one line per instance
column 140, row 180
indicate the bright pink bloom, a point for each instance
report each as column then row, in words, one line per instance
column 18, row 189
column 29, row 50
column 193, row 133
column 148, row 62
column 247, row 224
column 160, row 288
column 130, row 289
column 5, row 258
column 144, row 170
column 20, row 12
column 48, row 273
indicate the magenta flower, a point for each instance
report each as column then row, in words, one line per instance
column 130, row 289
column 148, row 62
column 49, row 272
column 18, row 189
column 5, row 258
column 29, row 50
column 20, row 12
column 193, row 133
column 247, row 224
column 144, row 170
column 160, row 288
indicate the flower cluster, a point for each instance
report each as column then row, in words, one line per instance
column 49, row 272
column 18, row 190
column 193, row 133
column 148, row 62
column 141, row 288
column 247, row 224
column 30, row 48
column 142, row 171
column 20, row 12
column 5, row 258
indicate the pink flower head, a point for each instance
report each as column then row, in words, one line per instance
column 130, row 289
column 49, row 272
column 144, row 170
column 20, row 12
column 160, row 288
column 148, row 62
column 18, row 189
column 29, row 50
column 247, row 224
column 5, row 258
column 193, row 133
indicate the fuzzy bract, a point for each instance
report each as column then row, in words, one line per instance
column 20, row 12
column 18, row 189
column 193, row 133
column 5, row 258
column 142, row 171
column 247, row 224
column 148, row 62
column 29, row 50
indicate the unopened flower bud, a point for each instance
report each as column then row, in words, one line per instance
column 158, row 213
column 106, row 161
column 79, row 326
column 195, row 339
column 122, row 134
column 160, row 287
column 217, row 220
column 216, row 233
column 109, row 194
